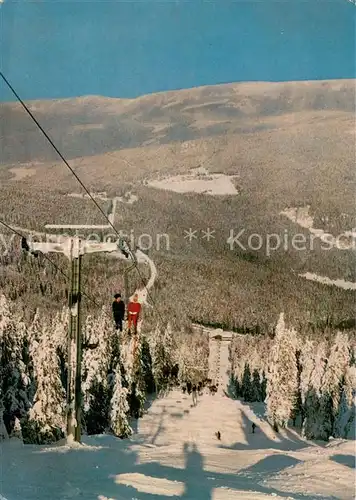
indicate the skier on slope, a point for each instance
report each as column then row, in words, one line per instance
column 118, row 309
column 194, row 395
column 133, row 312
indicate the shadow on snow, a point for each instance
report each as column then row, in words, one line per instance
column 97, row 473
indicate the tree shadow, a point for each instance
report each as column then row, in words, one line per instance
column 177, row 415
column 159, row 427
column 150, row 399
column 347, row 460
column 257, row 439
column 272, row 464
column 258, row 409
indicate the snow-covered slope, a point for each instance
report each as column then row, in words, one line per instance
column 175, row 454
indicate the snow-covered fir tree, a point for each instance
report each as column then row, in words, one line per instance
column 139, row 389
column 147, row 366
column 60, row 324
column 337, row 363
column 233, row 388
column 307, row 361
column 246, row 385
column 60, row 328
column 126, row 360
column 14, row 379
column 134, row 374
column 34, row 330
column 343, row 417
column 162, row 357
column 327, row 369
column 190, row 360
column 263, row 386
column 17, row 430
column 282, row 376
column 248, row 349
column 97, row 353
column 119, row 408
column 46, row 418
column 256, row 387
column 313, row 360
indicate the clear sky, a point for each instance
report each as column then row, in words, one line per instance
column 61, row 48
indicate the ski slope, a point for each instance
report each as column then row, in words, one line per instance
column 175, row 454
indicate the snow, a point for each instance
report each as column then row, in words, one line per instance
column 143, row 293
column 345, row 241
column 200, row 181
column 21, row 173
column 340, row 283
column 128, row 198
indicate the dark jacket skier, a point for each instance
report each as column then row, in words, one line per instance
column 118, row 309
column 194, row 395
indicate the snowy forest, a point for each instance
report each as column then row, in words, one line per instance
column 115, row 385
column 308, row 383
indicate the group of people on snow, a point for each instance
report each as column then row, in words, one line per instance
column 195, row 389
column 133, row 312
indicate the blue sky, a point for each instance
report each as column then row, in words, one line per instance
column 57, row 48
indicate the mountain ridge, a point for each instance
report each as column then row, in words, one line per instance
column 92, row 125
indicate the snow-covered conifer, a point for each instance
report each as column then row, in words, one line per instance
column 136, row 378
column 17, row 430
column 246, row 385
column 312, row 425
column 46, row 419
column 35, row 328
column 343, row 416
column 162, row 344
column 282, row 376
column 97, row 353
column 256, row 393
column 313, row 361
column 147, row 366
column 326, row 383
column 346, row 411
column 13, row 374
column 337, row 364
column 307, row 361
column 263, row 386
column 60, row 328
column 233, row 387
column 119, row 408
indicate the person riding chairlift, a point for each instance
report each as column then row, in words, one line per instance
column 133, row 312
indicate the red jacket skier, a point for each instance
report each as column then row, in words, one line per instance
column 133, row 311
